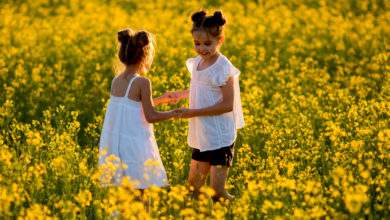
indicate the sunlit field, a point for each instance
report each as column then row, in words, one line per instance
column 315, row 92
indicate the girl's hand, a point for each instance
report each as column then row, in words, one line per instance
column 175, row 96
column 180, row 112
column 167, row 98
column 186, row 113
column 182, row 94
column 170, row 97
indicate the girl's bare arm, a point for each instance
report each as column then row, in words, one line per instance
column 226, row 105
column 151, row 114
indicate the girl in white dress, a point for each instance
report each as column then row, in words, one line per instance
column 127, row 139
column 215, row 106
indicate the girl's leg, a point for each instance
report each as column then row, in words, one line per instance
column 198, row 174
column 218, row 177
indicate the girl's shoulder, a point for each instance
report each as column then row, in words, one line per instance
column 137, row 80
column 142, row 81
column 224, row 66
column 222, row 71
column 224, row 61
column 190, row 62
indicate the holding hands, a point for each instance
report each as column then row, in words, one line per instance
column 182, row 112
column 173, row 97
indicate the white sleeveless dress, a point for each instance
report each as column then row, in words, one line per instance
column 127, row 135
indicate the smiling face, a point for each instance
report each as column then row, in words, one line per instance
column 206, row 45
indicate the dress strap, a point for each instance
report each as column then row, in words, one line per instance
column 112, row 83
column 129, row 86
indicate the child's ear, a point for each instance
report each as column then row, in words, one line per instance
column 221, row 39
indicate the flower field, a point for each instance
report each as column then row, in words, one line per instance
column 315, row 89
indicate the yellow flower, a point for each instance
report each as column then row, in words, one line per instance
column 59, row 163
column 314, row 79
column 356, row 145
column 84, row 198
column 34, row 138
column 5, row 156
column 355, row 199
column 36, row 211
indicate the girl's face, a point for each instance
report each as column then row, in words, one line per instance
column 206, row 45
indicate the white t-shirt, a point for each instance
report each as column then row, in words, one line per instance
column 213, row 132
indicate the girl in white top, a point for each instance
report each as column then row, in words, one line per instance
column 127, row 131
column 215, row 105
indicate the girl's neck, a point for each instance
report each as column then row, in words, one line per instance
column 211, row 59
column 205, row 63
column 130, row 70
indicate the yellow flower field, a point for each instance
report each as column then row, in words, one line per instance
column 315, row 90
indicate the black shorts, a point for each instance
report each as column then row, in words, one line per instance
column 222, row 156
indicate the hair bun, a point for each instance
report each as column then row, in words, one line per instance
column 219, row 19
column 141, row 39
column 198, row 17
column 124, row 35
